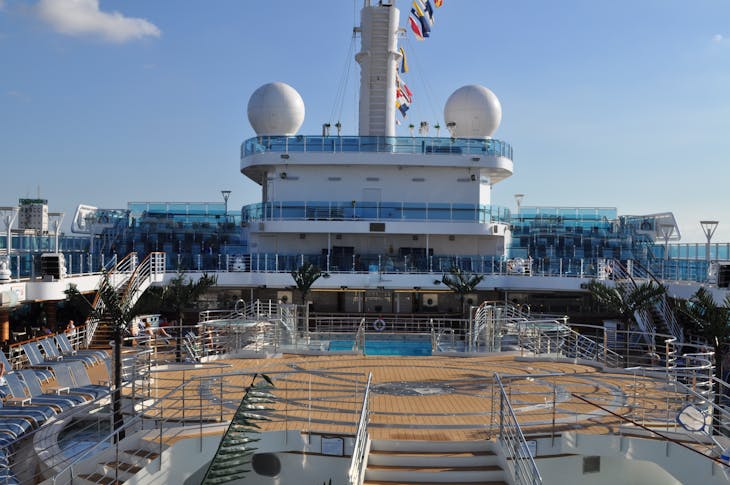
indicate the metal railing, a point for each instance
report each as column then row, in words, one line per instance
column 131, row 279
column 117, row 277
column 377, row 144
column 356, row 473
column 520, row 462
column 639, row 271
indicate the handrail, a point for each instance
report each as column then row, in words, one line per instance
column 650, row 430
column 520, row 461
column 129, row 425
column 663, row 306
column 359, row 343
column 357, row 464
column 623, row 278
column 126, row 265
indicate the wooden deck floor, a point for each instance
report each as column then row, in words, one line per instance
column 435, row 398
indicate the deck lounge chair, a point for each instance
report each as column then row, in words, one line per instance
column 36, row 358
column 73, row 376
column 33, row 384
column 43, row 374
column 66, row 348
column 53, row 353
column 25, row 383
column 36, row 415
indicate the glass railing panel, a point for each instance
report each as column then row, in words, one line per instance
column 377, row 144
column 464, row 212
column 367, row 210
column 437, row 211
column 414, row 211
column 288, row 210
column 391, row 210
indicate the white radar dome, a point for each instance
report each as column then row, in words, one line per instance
column 276, row 109
column 473, row 112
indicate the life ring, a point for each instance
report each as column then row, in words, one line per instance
column 379, row 325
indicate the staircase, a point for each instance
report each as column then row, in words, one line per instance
column 453, row 462
column 129, row 279
column 130, row 462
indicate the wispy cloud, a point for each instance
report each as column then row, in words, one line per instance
column 18, row 95
column 2, row 4
column 718, row 38
column 84, row 17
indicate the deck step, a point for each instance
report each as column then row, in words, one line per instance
column 430, row 446
column 124, row 466
column 392, row 462
column 100, row 479
column 380, row 482
column 432, row 458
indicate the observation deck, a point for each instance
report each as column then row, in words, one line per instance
column 494, row 158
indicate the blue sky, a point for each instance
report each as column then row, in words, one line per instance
column 621, row 103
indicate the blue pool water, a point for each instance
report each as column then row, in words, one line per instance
column 396, row 346
column 82, row 435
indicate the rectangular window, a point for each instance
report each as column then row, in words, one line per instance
column 377, row 227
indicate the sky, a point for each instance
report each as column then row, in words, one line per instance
column 610, row 104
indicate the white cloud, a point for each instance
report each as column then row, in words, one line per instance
column 83, row 17
column 2, row 4
column 717, row 38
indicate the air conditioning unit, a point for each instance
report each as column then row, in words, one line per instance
column 284, row 297
column 53, row 265
column 429, row 300
column 471, row 299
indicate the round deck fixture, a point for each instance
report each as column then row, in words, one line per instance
column 276, row 109
column 472, row 111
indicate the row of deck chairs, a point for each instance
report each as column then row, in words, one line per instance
column 25, row 406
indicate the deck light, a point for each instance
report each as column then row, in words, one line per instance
column 708, row 227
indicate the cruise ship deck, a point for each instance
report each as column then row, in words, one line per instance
column 433, row 398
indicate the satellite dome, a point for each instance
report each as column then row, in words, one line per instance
column 276, row 109
column 475, row 112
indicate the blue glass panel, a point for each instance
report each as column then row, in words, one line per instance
column 391, row 210
column 414, row 211
column 464, row 212
column 439, row 211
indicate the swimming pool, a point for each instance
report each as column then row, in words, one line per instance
column 393, row 345
column 82, row 435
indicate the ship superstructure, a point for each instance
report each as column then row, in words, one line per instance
column 376, row 201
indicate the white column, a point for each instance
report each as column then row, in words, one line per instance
column 378, row 60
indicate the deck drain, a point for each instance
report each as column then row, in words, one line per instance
column 412, row 388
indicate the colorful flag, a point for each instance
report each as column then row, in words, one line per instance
column 429, row 11
column 438, row 3
column 403, row 61
column 407, row 92
column 415, row 25
column 402, row 91
column 425, row 25
column 403, row 107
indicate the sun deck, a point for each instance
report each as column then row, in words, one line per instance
column 419, row 398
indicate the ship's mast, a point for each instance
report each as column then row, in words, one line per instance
column 378, row 59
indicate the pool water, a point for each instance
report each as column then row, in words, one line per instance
column 395, row 346
column 79, row 436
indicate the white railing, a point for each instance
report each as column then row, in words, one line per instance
column 662, row 306
column 566, row 342
column 131, row 279
column 117, row 277
column 520, row 462
column 359, row 452
column 359, row 343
